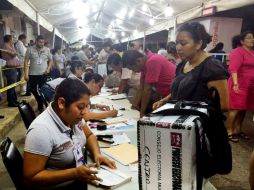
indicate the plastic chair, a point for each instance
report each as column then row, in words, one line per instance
column 47, row 94
column 45, row 102
column 27, row 113
column 13, row 162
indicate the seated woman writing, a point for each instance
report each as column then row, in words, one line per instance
column 48, row 89
column 95, row 82
column 53, row 149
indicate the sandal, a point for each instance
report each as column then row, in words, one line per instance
column 233, row 138
column 242, row 135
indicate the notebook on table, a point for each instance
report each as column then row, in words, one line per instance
column 112, row 178
column 124, row 153
column 117, row 97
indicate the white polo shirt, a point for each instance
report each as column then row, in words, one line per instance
column 39, row 58
column 49, row 136
column 133, row 78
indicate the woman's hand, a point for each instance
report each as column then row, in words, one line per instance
column 102, row 107
column 46, row 72
column 158, row 104
column 84, row 173
column 112, row 113
column 100, row 159
column 236, row 88
column 114, row 91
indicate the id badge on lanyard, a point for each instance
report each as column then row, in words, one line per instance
column 39, row 60
column 77, row 151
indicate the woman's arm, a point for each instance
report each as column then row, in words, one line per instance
column 161, row 102
column 26, row 69
column 36, row 174
column 93, row 148
column 122, row 85
column 136, row 101
column 102, row 115
column 235, row 82
column 57, row 63
column 145, row 99
column 222, row 87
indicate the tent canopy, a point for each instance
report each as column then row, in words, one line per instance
column 119, row 19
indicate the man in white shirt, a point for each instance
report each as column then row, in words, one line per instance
column 40, row 60
column 21, row 52
column 82, row 54
column 102, row 59
column 130, row 80
column 68, row 54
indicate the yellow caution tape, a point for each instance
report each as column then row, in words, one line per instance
column 8, row 68
column 12, row 86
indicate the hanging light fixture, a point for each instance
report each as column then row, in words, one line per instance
column 168, row 11
column 81, row 22
column 135, row 32
column 107, row 35
column 122, row 13
column 79, row 8
column 131, row 13
column 151, row 21
column 113, row 35
column 144, row 7
column 119, row 21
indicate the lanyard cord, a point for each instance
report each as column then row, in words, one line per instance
column 39, row 52
column 71, row 133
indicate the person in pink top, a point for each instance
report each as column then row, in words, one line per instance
column 240, row 85
column 157, row 75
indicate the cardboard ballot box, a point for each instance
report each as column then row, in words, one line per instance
column 167, row 153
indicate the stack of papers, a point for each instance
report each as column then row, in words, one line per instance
column 120, row 138
column 124, row 153
column 104, row 94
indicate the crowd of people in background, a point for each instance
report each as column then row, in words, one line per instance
column 149, row 79
column 180, row 70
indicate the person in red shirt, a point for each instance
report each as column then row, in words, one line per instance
column 157, row 75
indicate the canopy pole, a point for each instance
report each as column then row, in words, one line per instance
column 175, row 23
column 62, row 42
column 144, row 41
column 54, row 38
column 128, row 42
column 38, row 24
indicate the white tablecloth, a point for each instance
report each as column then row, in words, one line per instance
column 132, row 134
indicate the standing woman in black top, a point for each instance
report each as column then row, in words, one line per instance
column 198, row 71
